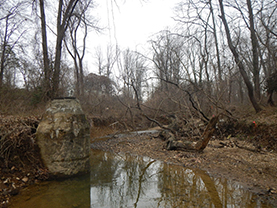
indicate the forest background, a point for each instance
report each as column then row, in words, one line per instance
column 220, row 56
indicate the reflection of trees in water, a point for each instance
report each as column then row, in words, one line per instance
column 234, row 194
column 120, row 180
column 182, row 187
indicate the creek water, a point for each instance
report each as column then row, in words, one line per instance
column 123, row 180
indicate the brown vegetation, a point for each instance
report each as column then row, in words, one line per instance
column 20, row 163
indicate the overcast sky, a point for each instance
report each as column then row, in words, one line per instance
column 131, row 23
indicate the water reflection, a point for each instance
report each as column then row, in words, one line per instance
column 122, row 180
column 119, row 180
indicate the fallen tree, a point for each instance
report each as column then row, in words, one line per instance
column 174, row 138
column 176, row 142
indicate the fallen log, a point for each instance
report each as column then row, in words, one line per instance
column 207, row 135
column 200, row 145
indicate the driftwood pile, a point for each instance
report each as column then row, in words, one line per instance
column 17, row 139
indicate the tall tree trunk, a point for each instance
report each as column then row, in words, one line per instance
column 81, row 82
column 216, row 44
column 57, row 66
column 77, row 72
column 238, row 61
column 3, row 51
column 62, row 24
column 47, row 84
column 80, row 58
column 58, row 50
column 255, row 55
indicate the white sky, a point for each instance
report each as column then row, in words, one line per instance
column 131, row 23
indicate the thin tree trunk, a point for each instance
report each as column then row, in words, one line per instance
column 254, row 41
column 80, row 58
column 2, row 63
column 216, row 44
column 270, row 100
column 57, row 63
column 47, row 85
column 3, row 52
column 238, row 61
column 241, row 93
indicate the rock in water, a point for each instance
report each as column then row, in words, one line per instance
column 63, row 138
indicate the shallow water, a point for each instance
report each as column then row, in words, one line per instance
column 70, row 193
column 122, row 180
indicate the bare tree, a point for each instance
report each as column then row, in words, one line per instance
column 11, row 33
column 253, row 59
column 78, row 27
column 106, row 59
column 46, row 66
column 255, row 46
column 166, row 58
column 271, row 87
column 201, row 34
column 214, row 28
column 267, row 36
column 100, row 61
column 111, row 58
column 133, row 69
column 65, row 11
column 238, row 59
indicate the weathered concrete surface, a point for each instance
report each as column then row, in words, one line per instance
column 63, row 138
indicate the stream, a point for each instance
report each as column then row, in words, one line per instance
column 124, row 180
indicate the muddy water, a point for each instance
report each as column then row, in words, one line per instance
column 121, row 180
column 68, row 193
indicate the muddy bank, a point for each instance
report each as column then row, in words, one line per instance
column 255, row 170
